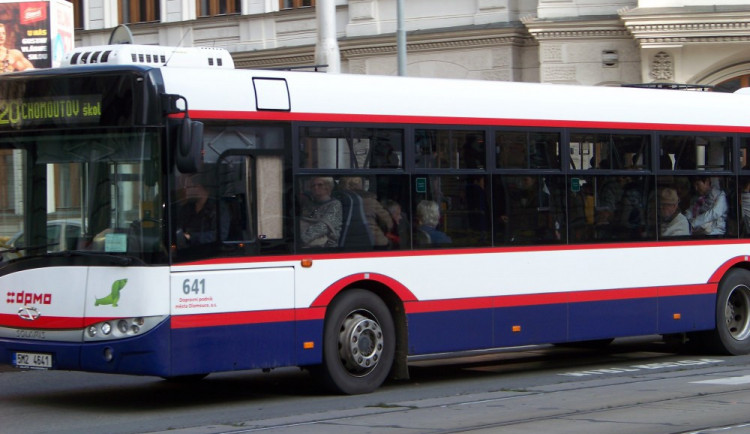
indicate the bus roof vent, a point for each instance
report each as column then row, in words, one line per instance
column 150, row 55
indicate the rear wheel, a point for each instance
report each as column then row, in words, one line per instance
column 732, row 334
column 359, row 343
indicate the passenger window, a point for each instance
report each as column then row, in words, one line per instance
column 351, row 148
column 530, row 210
column 236, row 198
column 609, row 151
column 354, row 213
column 688, row 152
column 612, row 208
column 450, row 149
column 527, row 150
column 709, row 210
column 451, row 211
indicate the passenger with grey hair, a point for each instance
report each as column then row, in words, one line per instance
column 428, row 216
column 672, row 223
column 320, row 223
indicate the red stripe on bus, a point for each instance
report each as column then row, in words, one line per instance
column 725, row 267
column 425, row 120
column 50, row 322
column 402, row 291
column 231, row 318
column 317, row 311
column 320, row 256
column 555, row 298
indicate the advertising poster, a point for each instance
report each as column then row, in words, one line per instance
column 34, row 34
column 61, row 30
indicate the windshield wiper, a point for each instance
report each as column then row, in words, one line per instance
column 21, row 248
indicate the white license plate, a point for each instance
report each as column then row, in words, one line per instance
column 32, row 360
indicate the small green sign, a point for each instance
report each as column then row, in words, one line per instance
column 575, row 185
column 421, row 185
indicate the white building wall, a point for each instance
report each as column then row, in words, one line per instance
column 581, row 8
column 559, row 41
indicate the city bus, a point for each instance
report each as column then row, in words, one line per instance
column 164, row 213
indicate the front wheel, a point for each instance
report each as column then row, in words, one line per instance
column 358, row 343
column 732, row 334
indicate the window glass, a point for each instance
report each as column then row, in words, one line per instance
column 207, row 8
column 139, row 11
column 451, row 211
column 292, row 4
column 744, row 156
column 530, row 209
column 706, row 206
column 527, row 150
column 609, row 151
column 353, row 213
column 450, row 149
column 688, row 152
column 611, row 208
column 351, row 148
column 236, row 204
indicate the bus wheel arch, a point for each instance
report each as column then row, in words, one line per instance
column 732, row 332
column 364, row 339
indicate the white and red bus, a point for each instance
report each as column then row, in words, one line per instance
column 166, row 214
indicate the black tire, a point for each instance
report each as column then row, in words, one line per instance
column 359, row 342
column 732, row 333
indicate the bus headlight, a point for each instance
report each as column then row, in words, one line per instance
column 122, row 328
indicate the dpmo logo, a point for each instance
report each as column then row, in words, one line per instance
column 26, row 297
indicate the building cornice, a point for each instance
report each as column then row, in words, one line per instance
column 354, row 48
column 679, row 26
column 593, row 28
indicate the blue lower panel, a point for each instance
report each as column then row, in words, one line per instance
column 143, row 355
column 526, row 325
column 612, row 318
column 687, row 313
column 437, row 332
column 247, row 346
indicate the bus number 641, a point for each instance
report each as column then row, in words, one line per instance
column 196, row 286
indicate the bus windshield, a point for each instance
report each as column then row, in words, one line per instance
column 81, row 193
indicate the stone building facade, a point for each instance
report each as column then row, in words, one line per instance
column 590, row 42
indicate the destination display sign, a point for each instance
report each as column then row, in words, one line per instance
column 57, row 110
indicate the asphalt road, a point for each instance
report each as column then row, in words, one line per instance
column 634, row 386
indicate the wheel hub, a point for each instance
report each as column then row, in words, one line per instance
column 360, row 343
column 737, row 312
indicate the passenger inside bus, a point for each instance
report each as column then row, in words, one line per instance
column 320, row 222
column 379, row 220
column 529, row 217
column 197, row 216
column 428, row 217
column 708, row 208
column 745, row 204
column 399, row 233
column 672, row 223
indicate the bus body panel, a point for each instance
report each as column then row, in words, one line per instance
column 357, row 98
column 504, row 300
column 235, row 319
column 83, row 297
column 263, row 312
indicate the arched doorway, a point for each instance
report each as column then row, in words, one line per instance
column 733, row 84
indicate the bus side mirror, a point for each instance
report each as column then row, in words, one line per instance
column 190, row 146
